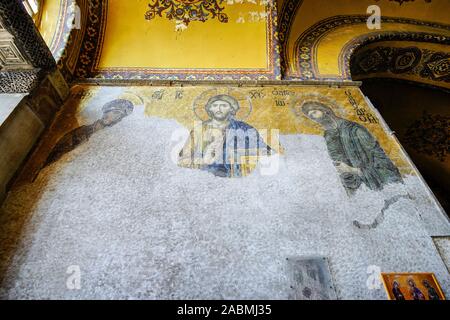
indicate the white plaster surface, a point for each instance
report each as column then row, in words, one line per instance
column 19, row 130
column 140, row 227
column 8, row 102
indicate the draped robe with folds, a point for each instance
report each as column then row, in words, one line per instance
column 221, row 151
column 70, row 141
column 352, row 144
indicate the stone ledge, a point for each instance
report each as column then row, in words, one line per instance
column 9, row 103
column 249, row 83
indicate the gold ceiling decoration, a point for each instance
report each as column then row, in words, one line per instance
column 185, row 11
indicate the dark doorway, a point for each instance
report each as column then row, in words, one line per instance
column 420, row 117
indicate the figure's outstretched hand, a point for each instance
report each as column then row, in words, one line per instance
column 345, row 168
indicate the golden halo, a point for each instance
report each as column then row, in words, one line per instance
column 298, row 103
column 132, row 97
column 245, row 104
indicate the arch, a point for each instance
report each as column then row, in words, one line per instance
column 63, row 31
column 355, row 46
column 323, row 51
column 287, row 16
column 424, row 62
column 34, row 9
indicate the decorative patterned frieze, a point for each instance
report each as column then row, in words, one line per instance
column 19, row 81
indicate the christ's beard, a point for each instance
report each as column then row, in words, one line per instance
column 221, row 117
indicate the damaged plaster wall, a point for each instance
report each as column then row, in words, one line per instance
column 117, row 203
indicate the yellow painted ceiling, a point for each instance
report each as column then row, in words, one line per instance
column 130, row 41
column 49, row 21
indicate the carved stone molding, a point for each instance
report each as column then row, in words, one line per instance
column 16, row 21
column 24, row 55
column 10, row 55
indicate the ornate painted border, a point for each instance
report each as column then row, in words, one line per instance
column 357, row 44
column 419, row 68
column 305, row 57
column 90, row 41
column 93, row 40
column 287, row 16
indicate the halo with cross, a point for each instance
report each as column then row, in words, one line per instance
column 245, row 104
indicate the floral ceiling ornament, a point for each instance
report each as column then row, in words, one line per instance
column 186, row 11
